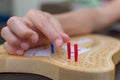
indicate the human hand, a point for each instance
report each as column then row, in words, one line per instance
column 34, row 29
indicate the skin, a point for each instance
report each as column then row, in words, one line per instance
column 38, row 28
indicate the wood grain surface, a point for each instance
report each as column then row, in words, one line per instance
column 98, row 56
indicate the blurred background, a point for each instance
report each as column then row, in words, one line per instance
column 10, row 8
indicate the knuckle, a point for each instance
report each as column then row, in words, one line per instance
column 8, row 48
column 43, row 25
column 48, row 15
column 11, row 20
column 4, row 45
column 3, row 31
column 31, row 12
column 26, row 34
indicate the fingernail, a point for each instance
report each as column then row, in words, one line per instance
column 24, row 45
column 58, row 42
column 66, row 37
column 34, row 38
column 19, row 52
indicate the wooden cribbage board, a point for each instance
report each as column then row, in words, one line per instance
column 96, row 63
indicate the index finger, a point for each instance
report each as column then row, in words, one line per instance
column 41, row 22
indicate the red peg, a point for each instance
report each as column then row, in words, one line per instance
column 76, row 52
column 69, row 50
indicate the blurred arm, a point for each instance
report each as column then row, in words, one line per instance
column 89, row 20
